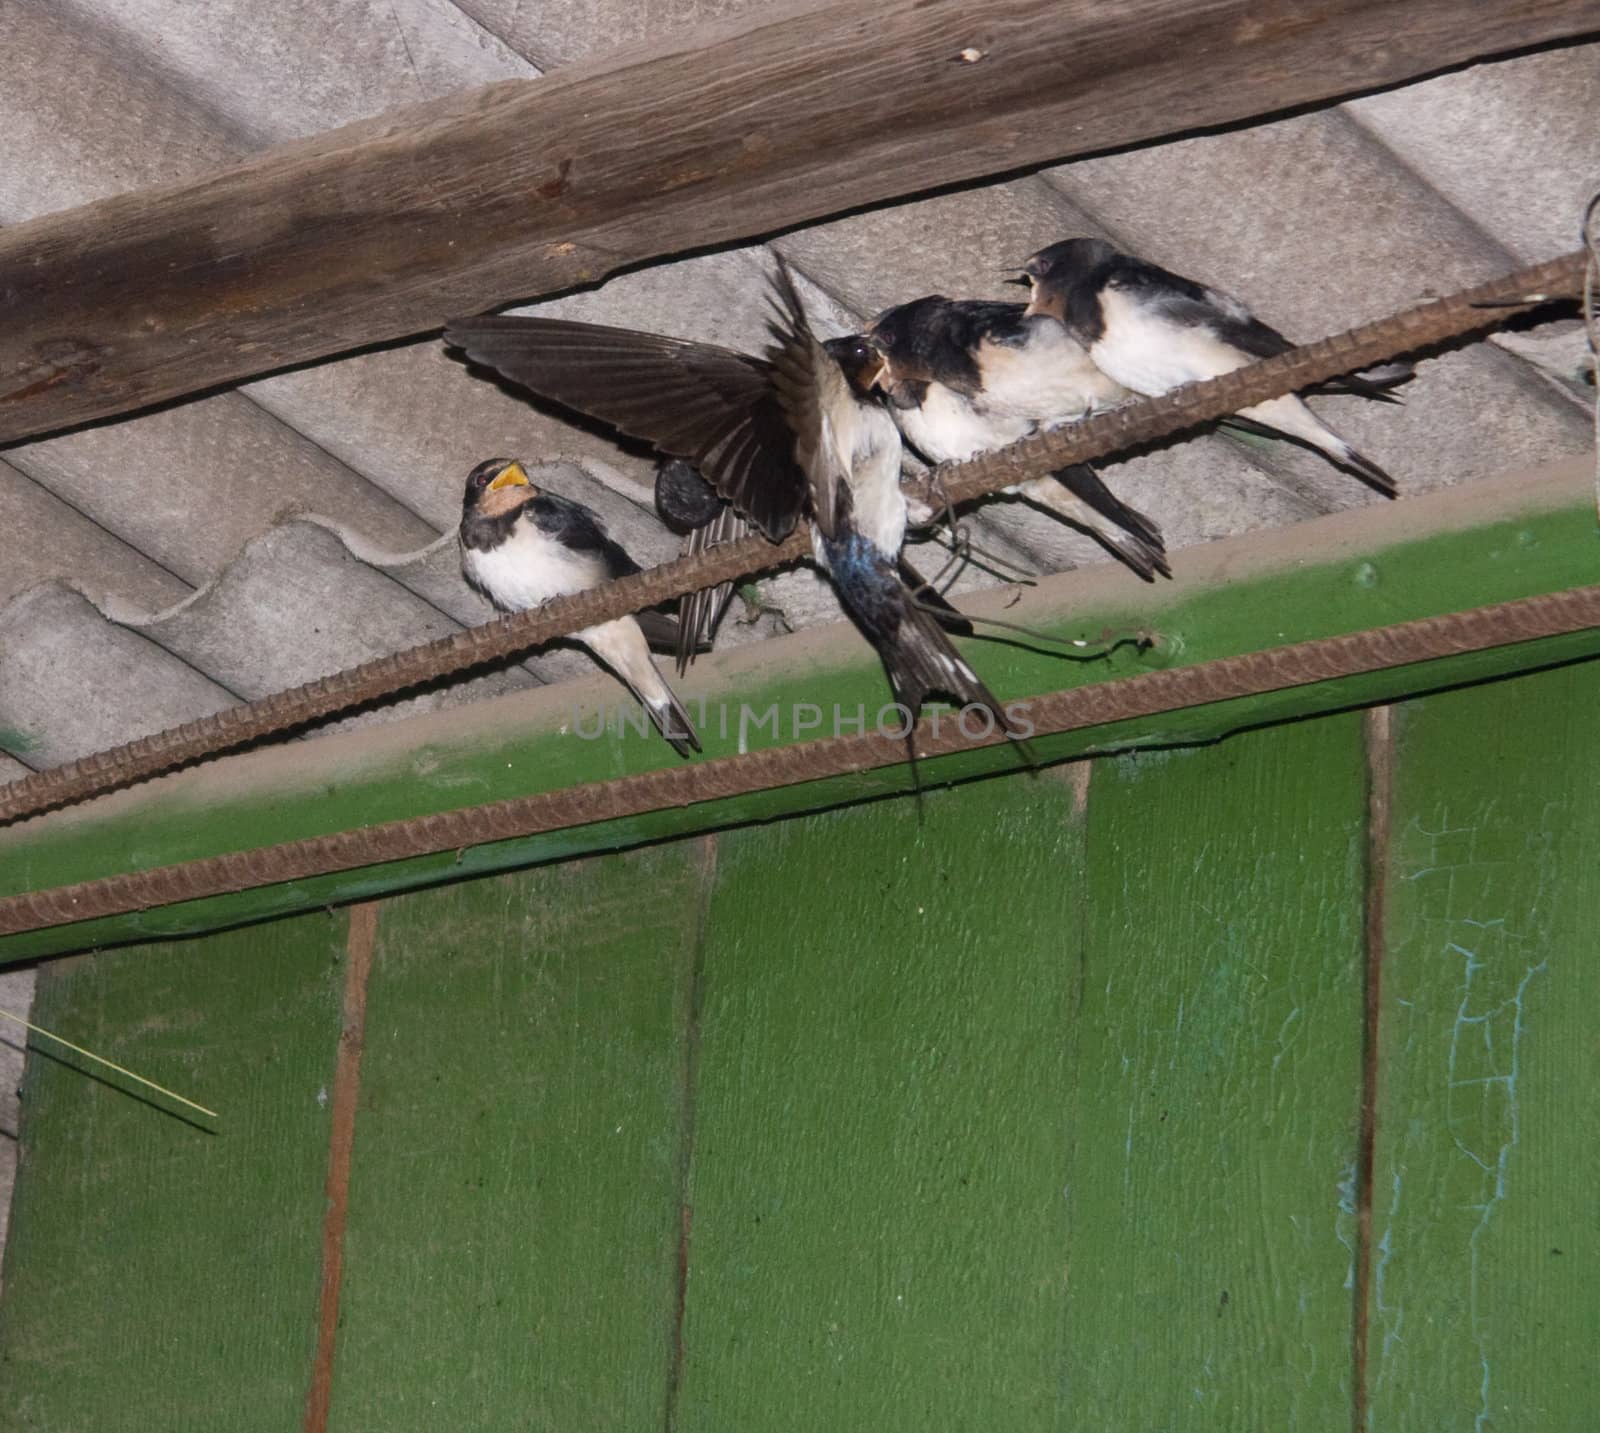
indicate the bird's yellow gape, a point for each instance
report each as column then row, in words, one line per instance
column 511, row 475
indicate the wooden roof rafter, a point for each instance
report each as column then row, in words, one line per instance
column 386, row 228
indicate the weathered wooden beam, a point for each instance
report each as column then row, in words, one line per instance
column 388, row 227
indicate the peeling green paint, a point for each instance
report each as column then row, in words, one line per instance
column 1485, row 1219
column 18, row 743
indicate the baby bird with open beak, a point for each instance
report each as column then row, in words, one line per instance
column 521, row 547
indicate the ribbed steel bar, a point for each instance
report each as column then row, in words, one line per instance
column 1130, row 426
column 1227, row 678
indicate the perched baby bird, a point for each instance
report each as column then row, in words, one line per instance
column 688, row 504
column 1152, row 330
column 709, row 411
column 965, row 376
column 521, row 547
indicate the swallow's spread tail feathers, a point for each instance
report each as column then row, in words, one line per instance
column 621, row 645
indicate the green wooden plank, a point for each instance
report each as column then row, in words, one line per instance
column 1442, row 553
column 878, row 1221
column 512, row 1247
column 1486, row 1312
column 1217, row 1086
column 157, row 1276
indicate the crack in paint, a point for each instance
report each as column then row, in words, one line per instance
column 1344, row 1221
column 1391, row 1333
column 1480, row 1028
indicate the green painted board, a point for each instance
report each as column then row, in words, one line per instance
column 1215, row 1086
column 511, row 1259
column 1037, row 1110
column 1486, row 1212
column 158, row 1277
column 879, row 1229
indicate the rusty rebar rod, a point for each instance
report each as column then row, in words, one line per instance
column 1224, row 679
column 1104, row 433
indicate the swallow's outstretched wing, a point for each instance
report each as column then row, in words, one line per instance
column 817, row 406
column 712, row 406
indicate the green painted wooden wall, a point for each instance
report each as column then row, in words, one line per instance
column 1038, row 1110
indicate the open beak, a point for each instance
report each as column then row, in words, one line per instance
column 873, row 372
column 509, row 476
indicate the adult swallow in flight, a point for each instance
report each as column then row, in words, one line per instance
column 521, row 547
column 848, row 447
column 1152, row 330
column 721, row 412
column 965, row 376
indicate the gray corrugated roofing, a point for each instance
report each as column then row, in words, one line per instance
column 154, row 569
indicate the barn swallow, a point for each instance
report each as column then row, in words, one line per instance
column 1152, row 331
column 721, row 412
column 848, row 448
column 521, row 547
column 965, row 376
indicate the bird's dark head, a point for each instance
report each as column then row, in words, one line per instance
column 918, row 342
column 859, row 361
column 497, row 485
column 1052, row 272
column 902, row 333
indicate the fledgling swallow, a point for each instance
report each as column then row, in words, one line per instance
column 521, row 547
column 1152, row 330
column 688, row 504
column 966, row 376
